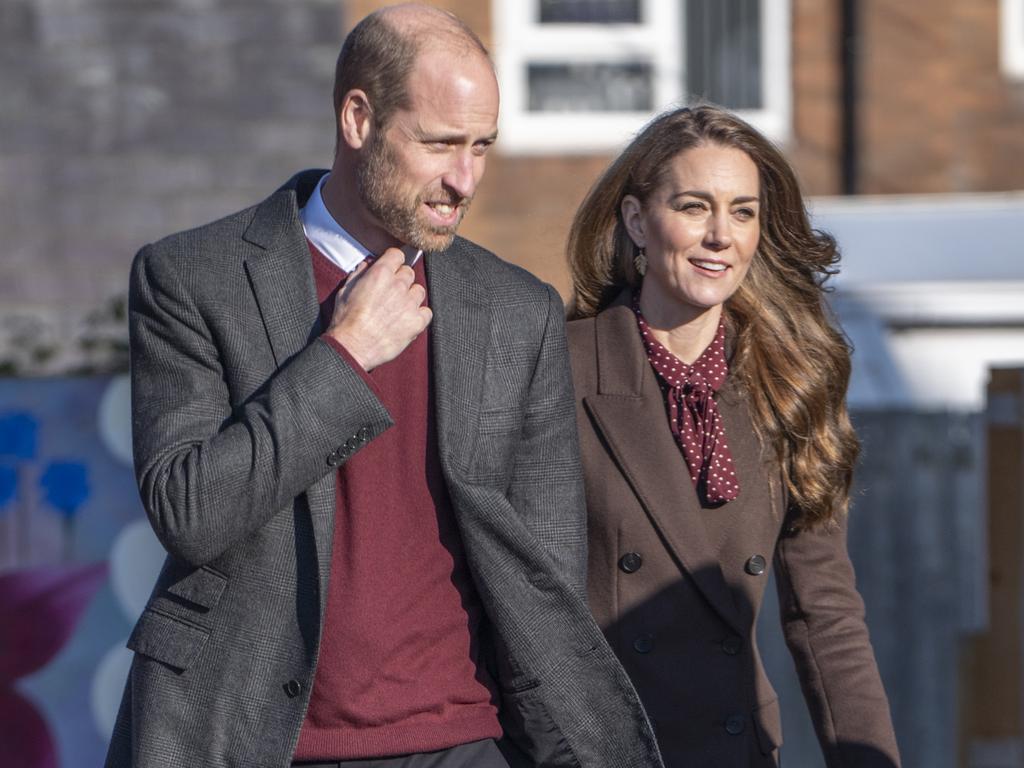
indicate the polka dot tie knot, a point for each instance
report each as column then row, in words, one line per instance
column 693, row 415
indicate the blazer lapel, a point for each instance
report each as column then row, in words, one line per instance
column 459, row 336
column 281, row 275
column 629, row 411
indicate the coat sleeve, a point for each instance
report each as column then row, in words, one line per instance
column 823, row 622
column 547, row 481
column 211, row 474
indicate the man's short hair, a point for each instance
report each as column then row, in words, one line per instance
column 377, row 58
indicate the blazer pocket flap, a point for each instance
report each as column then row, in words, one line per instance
column 768, row 723
column 202, row 587
column 167, row 639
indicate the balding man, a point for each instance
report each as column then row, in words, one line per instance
column 354, row 435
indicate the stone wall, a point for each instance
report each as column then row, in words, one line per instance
column 123, row 121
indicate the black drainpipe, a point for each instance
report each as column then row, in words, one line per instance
column 848, row 73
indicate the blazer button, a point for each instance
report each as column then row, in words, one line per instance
column 732, row 645
column 644, row 644
column 755, row 565
column 334, row 458
column 364, row 432
column 631, row 562
column 735, row 725
column 293, row 688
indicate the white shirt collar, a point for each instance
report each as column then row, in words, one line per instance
column 329, row 237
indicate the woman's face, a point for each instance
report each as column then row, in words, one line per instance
column 699, row 228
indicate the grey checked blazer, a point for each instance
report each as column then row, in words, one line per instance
column 240, row 416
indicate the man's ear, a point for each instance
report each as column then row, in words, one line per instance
column 355, row 118
column 633, row 220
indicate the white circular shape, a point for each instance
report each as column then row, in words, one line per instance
column 107, row 687
column 115, row 418
column 135, row 560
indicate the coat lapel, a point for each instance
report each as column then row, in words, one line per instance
column 281, row 275
column 459, row 336
column 630, row 413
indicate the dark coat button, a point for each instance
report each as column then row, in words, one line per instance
column 631, row 562
column 735, row 724
column 364, row 432
column 755, row 565
column 644, row 644
column 334, row 458
column 732, row 645
column 293, row 688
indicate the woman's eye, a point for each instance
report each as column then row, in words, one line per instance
column 745, row 213
column 691, row 207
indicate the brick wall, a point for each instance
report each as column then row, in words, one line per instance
column 815, row 148
column 937, row 115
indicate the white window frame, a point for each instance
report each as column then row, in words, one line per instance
column 1011, row 37
column 520, row 39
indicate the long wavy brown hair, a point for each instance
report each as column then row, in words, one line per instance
column 789, row 357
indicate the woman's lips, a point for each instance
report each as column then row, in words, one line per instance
column 710, row 267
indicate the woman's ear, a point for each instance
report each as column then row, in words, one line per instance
column 355, row 118
column 633, row 220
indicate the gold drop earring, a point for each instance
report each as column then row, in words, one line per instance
column 640, row 262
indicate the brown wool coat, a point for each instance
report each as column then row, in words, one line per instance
column 677, row 587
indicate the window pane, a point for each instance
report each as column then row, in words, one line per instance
column 591, row 87
column 723, row 52
column 589, row 11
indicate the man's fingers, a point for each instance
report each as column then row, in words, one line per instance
column 350, row 283
column 426, row 315
column 392, row 258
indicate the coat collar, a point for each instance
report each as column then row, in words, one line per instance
column 459, row 336
column 280, row 269
column 629, row 411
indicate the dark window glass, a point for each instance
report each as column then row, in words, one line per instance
column 591, row 87
column 590, row 11
column 723, row 52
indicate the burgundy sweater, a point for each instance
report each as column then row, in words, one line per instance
column 399, row 669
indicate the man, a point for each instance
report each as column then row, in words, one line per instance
column 370, row 496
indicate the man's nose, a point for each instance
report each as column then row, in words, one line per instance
column 464, row 173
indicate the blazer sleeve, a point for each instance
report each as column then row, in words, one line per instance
column 210, row 474
column 823, row 622
column 546, row 488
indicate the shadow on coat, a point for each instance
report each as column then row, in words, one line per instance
column 708, row 696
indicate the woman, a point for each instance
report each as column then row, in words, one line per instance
column 715, row 442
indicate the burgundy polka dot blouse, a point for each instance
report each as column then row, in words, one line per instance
column 692, row 412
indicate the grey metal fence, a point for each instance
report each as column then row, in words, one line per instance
column 917, row 531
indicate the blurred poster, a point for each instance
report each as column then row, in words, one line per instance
column 77, row 560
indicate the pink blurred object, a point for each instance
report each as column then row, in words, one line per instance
column 39, row 610
column 24, row 734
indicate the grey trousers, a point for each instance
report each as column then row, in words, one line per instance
column 476, row 754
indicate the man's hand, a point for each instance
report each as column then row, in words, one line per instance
column 379, row 311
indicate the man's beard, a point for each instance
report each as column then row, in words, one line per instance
column 379, row 178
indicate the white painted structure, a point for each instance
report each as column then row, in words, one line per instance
column 655, row 40
column 931, row 293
